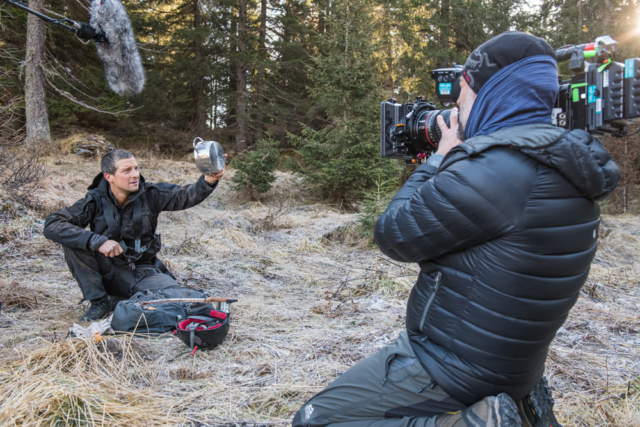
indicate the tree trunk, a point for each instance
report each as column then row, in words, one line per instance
column 321, row 6
column 345, row 115
column 262, row 56
column 241, row 79
column 201, row 102
column 444, row 32
column 215, row 105
column 36, row 109
column 388, row 85
column 232, row 83
column 606, row 17
column 579, row 2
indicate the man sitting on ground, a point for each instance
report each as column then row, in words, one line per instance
column 117, row 256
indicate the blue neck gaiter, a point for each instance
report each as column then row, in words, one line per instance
column 519, row 94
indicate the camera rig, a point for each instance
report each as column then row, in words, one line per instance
column 602, row 97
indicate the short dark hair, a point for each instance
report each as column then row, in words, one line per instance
column 109, row 160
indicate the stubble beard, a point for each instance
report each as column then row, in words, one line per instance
column 461, row 131
column 462, row 120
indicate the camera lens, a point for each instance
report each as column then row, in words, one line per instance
column 428, row 132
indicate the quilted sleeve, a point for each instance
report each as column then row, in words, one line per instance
column 466, row 203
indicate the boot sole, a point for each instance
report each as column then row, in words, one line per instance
column 507, row 411
column 541, row 403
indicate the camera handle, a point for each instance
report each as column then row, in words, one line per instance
column 194, row 141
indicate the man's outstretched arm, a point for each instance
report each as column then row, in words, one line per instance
column 171, row 197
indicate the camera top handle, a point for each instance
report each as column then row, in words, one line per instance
column 601, row 50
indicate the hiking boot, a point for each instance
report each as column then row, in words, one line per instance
column 97, row 310
column 114, row 300
column 492, row 411
column 536, row 410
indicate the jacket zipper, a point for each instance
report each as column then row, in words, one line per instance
column 433, row 295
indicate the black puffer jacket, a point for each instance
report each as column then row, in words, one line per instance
column 504, row 232
column 67, row 226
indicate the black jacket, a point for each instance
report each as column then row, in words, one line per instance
column 504, row 231
column 67, row 226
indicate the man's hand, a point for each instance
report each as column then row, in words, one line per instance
column 449, row 134
column 211, row 179
column 110, row 248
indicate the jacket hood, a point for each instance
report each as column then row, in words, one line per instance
column 101, row 185
column 575, row 154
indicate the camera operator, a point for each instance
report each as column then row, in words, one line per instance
column 503, row 221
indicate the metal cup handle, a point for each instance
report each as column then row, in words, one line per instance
column 194, row 141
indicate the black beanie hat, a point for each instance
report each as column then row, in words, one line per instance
column 502, row 50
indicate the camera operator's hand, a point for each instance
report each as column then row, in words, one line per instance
column 111, row 248
column 449, row 134
column 211, row 179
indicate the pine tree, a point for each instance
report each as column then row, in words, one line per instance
column 176, row 55
column 286, row 97
column 255, row 169
column 342, row 160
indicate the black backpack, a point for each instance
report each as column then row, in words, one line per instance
column 133, row 316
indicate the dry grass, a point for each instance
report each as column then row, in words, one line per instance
column 275, row 218
column 347, row 234
column 78, row 382
column 309, row 308
column 309, row 246
column 16, row 295
column 286, row 188
column 191, row 245
column 238, row 238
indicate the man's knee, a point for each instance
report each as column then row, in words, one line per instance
column 86, row 261
column 78, row 255
column 155, row 282
column 88, row 271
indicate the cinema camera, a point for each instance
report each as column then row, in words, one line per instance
column 602, row 97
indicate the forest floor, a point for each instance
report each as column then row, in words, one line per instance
column 308, row 309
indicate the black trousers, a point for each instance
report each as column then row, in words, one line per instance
column 98, row 275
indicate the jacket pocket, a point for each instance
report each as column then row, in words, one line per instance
column 430, row 301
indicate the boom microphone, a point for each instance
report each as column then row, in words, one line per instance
column 119, row 52
column 111, row 30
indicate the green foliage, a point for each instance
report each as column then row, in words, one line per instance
column 341, row 160
column 255, row 169
column 342, row 164
column 374, row 204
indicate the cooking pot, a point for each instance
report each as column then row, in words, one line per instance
column 209, row 156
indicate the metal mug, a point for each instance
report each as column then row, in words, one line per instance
column 209, row 156
column 223, row 307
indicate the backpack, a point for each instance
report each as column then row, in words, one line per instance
column 133, row 316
